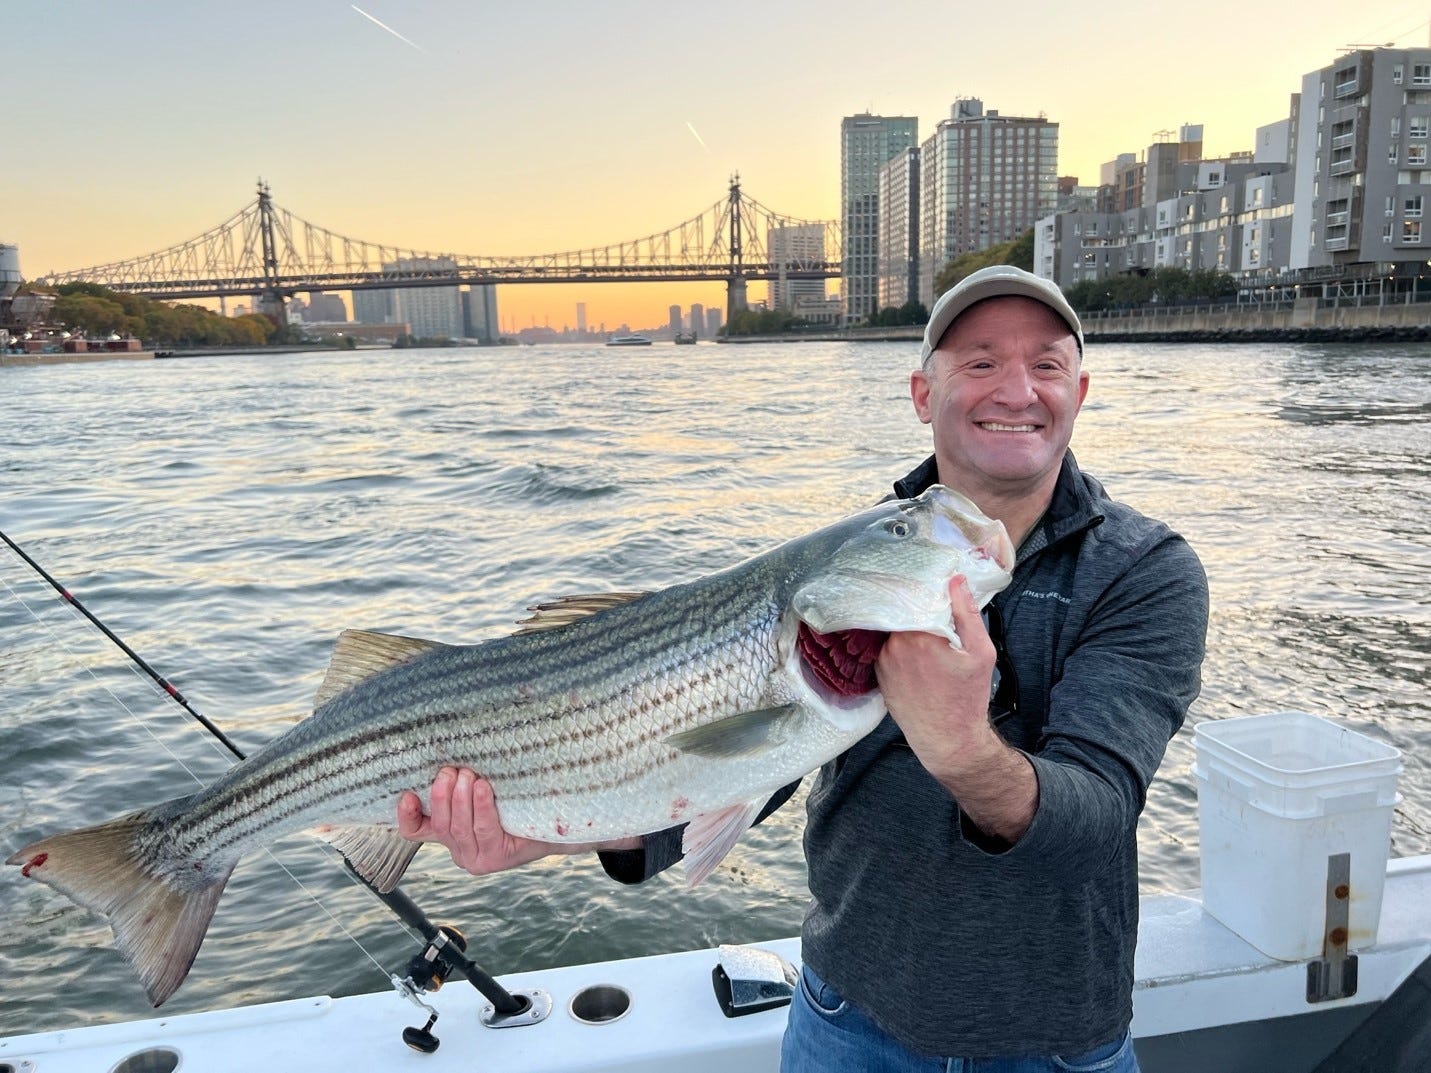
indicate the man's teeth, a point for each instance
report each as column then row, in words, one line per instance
column 994, row 426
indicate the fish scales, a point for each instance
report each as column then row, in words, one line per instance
column 610, row 716
column 375, row 751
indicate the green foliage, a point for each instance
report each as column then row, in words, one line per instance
column 1018, row 252
column 97, row 311
column 890, row 316
column 764, row 322
column 1161, row 286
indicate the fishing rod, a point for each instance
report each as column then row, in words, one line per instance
column 444, row 950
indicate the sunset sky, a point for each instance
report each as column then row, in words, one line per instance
column 494, row 128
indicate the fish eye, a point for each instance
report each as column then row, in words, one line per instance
column 897, row 527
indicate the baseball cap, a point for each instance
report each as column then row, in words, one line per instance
column 996, row 281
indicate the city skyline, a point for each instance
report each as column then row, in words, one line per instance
column 552, row 128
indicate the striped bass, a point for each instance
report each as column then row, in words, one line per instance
column 603, row 718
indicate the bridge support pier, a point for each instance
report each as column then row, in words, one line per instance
column 274, row 306
column 734, row 297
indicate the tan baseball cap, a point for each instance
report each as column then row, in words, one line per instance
column 996, row 281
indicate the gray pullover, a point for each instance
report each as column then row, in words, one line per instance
column 961, row 946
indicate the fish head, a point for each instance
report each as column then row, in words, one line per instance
column 891, row 571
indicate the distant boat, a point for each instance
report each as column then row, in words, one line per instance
column 628, row 340
column 684, row 338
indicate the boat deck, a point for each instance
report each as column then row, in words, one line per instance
column 1204, row 999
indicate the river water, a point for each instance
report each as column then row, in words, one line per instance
column 229, row 516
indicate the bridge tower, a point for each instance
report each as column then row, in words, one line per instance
column 271, row 300
column 735, row 282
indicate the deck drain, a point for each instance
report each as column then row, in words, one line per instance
column 150, row 1060
column 600, row 1004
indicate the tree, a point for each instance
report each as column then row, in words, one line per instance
column 1018, row 252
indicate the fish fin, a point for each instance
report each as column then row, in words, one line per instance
column 377, row 852
column 360, row 654
column 159, row 920
column 739, row 735
column 555, row 614
column 711, row 835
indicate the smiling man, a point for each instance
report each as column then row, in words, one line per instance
column 973, row 860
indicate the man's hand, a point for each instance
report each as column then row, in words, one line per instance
column 939, row 696
column 464, row 819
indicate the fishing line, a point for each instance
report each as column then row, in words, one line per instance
column 143, row 724
column 443, row 944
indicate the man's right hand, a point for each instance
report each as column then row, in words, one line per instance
column 463, row 817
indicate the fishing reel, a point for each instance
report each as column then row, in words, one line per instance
column 428, row 971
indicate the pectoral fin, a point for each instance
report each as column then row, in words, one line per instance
column 377, row 853
column 711, row 835
column 739, row 735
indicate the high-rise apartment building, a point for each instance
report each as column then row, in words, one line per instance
column 986, row 179
column 697, row 319
column 1363, row 177
column 674, row 320
column 899, row 229
column 374, row 307
column 713, row 319
column 479, row 313
column 430, row 312
column 866, row 143
column 792, row 248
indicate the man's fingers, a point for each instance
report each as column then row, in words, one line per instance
column 439, row 802
column 462, row 805
column 410, row 817
column 485, row 825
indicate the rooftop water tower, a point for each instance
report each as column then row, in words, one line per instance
column 10, row 277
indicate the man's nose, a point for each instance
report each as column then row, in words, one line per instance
column 1015, row 387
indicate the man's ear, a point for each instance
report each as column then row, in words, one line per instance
column 919, row 394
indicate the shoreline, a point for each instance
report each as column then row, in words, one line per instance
column 76, row 357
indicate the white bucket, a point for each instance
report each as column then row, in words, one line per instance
column 1277, row 795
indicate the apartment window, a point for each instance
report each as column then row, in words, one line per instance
column 1346, row 82
column 1396, row 73
column 1415, row 156
column 1416, row 126
column 1385, row 232
column 1391, row 154
column 1412, row 207
column 1421, row 74
column 1257, row 197
column 1411, row 231
column 1390, row 205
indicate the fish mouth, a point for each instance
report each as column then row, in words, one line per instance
column 840, row 664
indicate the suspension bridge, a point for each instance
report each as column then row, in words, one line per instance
column 270, row 254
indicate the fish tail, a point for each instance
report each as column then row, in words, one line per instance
column 159, row 910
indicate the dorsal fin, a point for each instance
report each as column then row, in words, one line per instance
column 360, row 654
column 558, row 613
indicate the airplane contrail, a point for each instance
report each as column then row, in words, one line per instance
column 385, row 26
column 697, row 136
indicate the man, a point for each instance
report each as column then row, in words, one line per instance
column 973, row 864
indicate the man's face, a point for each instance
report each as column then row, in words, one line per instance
column 1001, row 392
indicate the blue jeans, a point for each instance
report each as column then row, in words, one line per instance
column 828, row 1035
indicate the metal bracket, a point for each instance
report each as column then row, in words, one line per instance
column 1333, row 975
column 539, row 1005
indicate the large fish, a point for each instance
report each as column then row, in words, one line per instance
column 605, row 717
